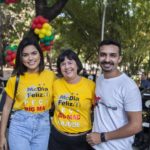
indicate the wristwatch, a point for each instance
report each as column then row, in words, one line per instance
column 103, row 139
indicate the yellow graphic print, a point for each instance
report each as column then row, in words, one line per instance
column 36, row 98
column 69, row 100
column 34, row 93
column 73, row 104
column 69, row 104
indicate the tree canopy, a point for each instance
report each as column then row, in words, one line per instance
column 127, row 21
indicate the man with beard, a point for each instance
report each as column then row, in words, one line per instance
column 117, row 113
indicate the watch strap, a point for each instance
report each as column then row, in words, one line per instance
column 103, row 139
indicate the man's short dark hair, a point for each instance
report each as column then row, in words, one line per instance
column 110, row 42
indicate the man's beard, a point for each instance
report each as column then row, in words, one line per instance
column 103, row 68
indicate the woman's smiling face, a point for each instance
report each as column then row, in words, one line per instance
column 69, row 69
column 31, row 58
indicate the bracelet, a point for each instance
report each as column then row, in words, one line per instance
column 103, row 139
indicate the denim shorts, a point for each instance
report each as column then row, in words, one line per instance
column 29, row 131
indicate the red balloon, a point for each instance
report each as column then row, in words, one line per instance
column 9, row 52
column 43, row 49
column 38, row 17
column 48, row 47
column 8, row 58
column 10, row 1
column 35, row 21
column 52, row 42
column 7, row 1
column 42, row 20
column 33, row 26
column 42, row 44
column 13, row 55
column 39, row 26
column 11, row 63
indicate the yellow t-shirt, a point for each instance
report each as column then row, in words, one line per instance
column 73, row 104
column 34, row 93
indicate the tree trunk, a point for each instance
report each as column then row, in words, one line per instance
column 41, row 8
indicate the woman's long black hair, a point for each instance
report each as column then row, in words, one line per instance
column 20, row 68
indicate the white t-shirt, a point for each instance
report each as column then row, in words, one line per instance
column 115, row 97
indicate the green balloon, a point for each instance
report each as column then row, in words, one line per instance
column 47, row 43
column 13, row 48
column 7, row 47
column 4, row 54
column 1, row 1
column 46, row 38
column 51, row 37
column 42, row 40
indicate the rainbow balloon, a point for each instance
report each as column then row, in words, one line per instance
column 44, row 31
column 10, row 54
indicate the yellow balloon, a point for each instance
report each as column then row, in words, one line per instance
column 41, row 35
column 43, row 31
column 14, row 61
column 36, row 31
column 48, row 33
column 46, row 26
column 50, row 27
column 44, row 53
